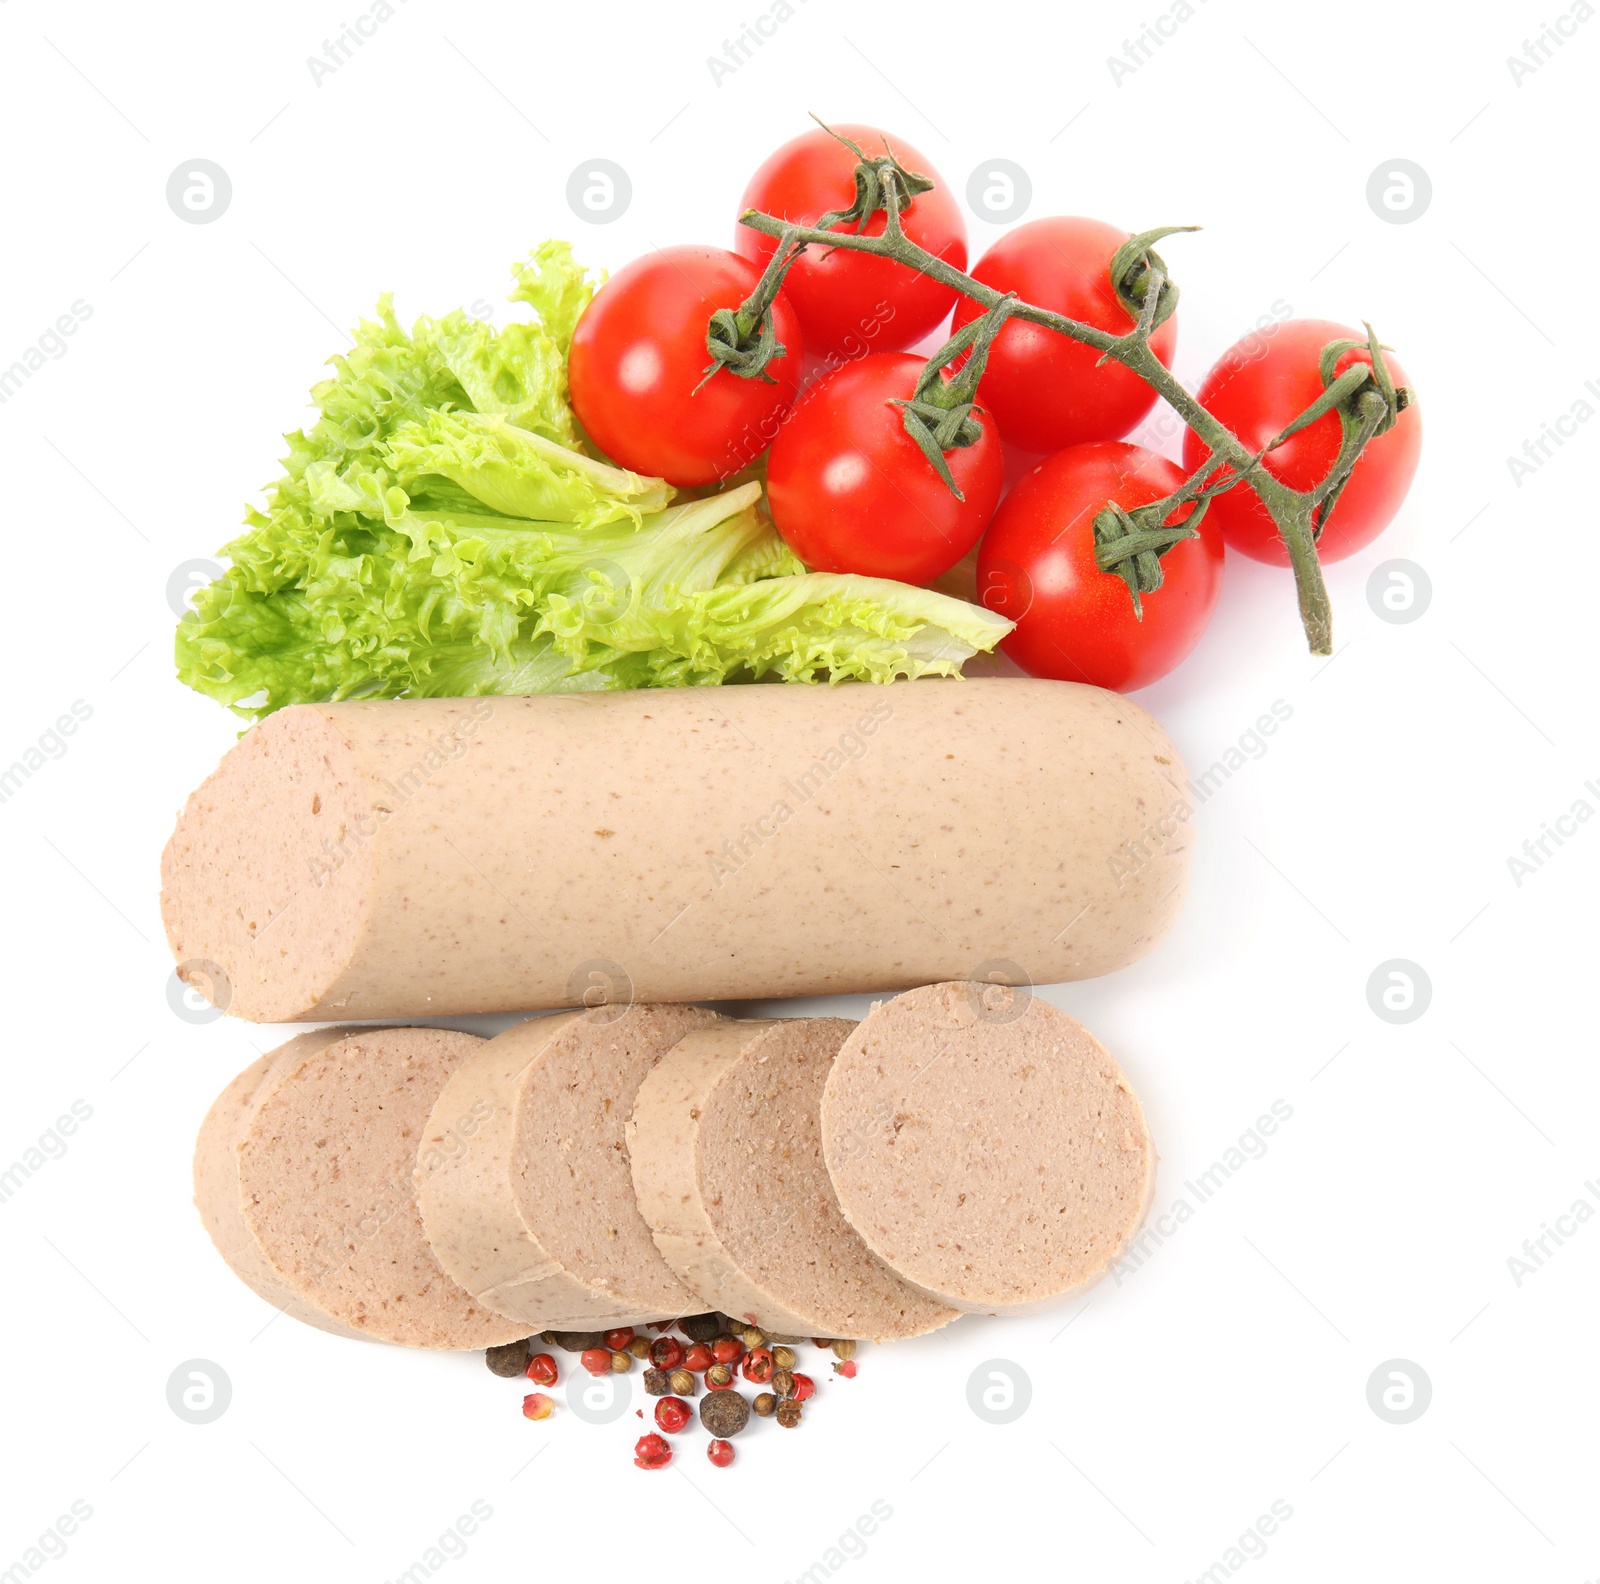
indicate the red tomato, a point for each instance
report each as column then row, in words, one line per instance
column 640, row 350
column 1257, row 388
column 1043, row 387
column 850, row 303
column 851, row 491
column 1074, row 622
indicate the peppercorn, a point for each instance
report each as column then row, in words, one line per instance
column 672, row 1414
column 804, row 1387
column 542, row 1370
column 751, row 1336
column 701, row 1327
column 618, row 1339
column 720, row 1452
column 621, row 1363
column 596, row 1360
column 764, row 1404
column 847, row 1369
column 576, row 1341
column 718, row 1375
column 724, row 1413
column 792, row 1341
column 788, row 1413
column 783, row 1357
column 698, row 1358
column 822, row 1342
column 682, row 1381
column 783, row 1383
column 651, row 1452
column 758, row 1365
column 511, row 1359
column 844, row 1348
column 536, row 1406
column 657, row 1382
column 639, row 1347
column 666, row 1352
column 727, row 1350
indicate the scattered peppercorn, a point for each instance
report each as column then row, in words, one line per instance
column 783, row 1383
column 720, row 1452
column 618, row 1339
column 596, row 1360
column 758, row 1365
column 727, row 1350
column 847, row 1369
column 536, row 1406
column 783, row 1357
column 511, row 1359
column 651, row 1452
column 672, row 1414
column 844, row 1348
column 804, row 1387
column 621, row 1363
column 718, row 1375
column 657, row 1382
column 701, row 1327
column 788, row 1413
column 640, row 1347
column 764, row 1404
column 683, row 1382
column 751, row 1336
column 822, row 1342
column 666, row 1352
column 542, row 1370
column 576, row 1341
column 698, row 1358
column 724, row 1413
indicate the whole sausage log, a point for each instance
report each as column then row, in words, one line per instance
column 396, row 858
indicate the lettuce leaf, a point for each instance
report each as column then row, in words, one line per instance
column 437, row 532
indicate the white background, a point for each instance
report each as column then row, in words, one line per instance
column 1231, row 1370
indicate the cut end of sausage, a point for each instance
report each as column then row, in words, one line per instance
column 728, row 1167
column 283, row 827
column 986, row 1147
column 306, row 1174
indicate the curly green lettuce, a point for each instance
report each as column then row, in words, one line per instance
column 437, row 532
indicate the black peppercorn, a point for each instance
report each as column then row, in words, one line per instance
column 725, row 1413
column 511, row 1359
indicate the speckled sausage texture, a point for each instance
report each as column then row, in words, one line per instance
column 985, row 1146
column 727, row 1166
column 394, row 858
column 535, row 1213
column 305, row 1177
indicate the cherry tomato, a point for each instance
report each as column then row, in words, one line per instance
column 851, row 303
column 1074, row 622
column 851, row 491
column 640, row 350
column 1257, row 388
column 1044, row 388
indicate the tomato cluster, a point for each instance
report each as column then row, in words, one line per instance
column 851, row 490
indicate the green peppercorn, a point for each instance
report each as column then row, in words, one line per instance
column 783, row 1357
column 682, row 1382
column 718, row 1376
column 621, row 1363
column 844, row 1348
column 764, row 1404
column 640, row 1347
column 783, row 1383
column 751, row 1336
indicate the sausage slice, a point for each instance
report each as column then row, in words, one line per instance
column 535, row 1214
column 985, row 1146
column 727, row 1165
column 305, row 1177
